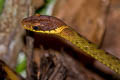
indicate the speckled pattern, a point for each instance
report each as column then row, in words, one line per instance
column 91, row 49
column 70, row 35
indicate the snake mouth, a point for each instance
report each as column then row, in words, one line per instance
column 42, row 23
column 55, row 31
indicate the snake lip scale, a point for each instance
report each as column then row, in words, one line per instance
column 52, row 25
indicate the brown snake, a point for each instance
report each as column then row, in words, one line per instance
column 52, row 25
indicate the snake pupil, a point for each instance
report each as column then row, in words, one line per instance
column 35, row 28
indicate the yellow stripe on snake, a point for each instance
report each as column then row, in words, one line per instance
column 52, row 25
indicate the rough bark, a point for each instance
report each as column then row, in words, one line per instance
column 52, row 65
column 10, row 29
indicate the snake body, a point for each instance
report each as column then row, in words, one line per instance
column 51, row 25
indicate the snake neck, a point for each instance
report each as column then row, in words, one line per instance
column 91, row 49
column 76, row 39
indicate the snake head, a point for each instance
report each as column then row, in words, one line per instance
column 43, row 24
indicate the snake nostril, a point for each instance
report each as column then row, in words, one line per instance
column 35, row 28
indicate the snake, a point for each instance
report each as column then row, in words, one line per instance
column 51, row 25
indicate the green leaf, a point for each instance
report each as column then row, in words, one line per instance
column 21, row 64
column 47, row 8
column 1, row 5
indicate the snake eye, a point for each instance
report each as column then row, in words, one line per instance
column 35, row 28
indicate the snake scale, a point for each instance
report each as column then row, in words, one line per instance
column 52, row 25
